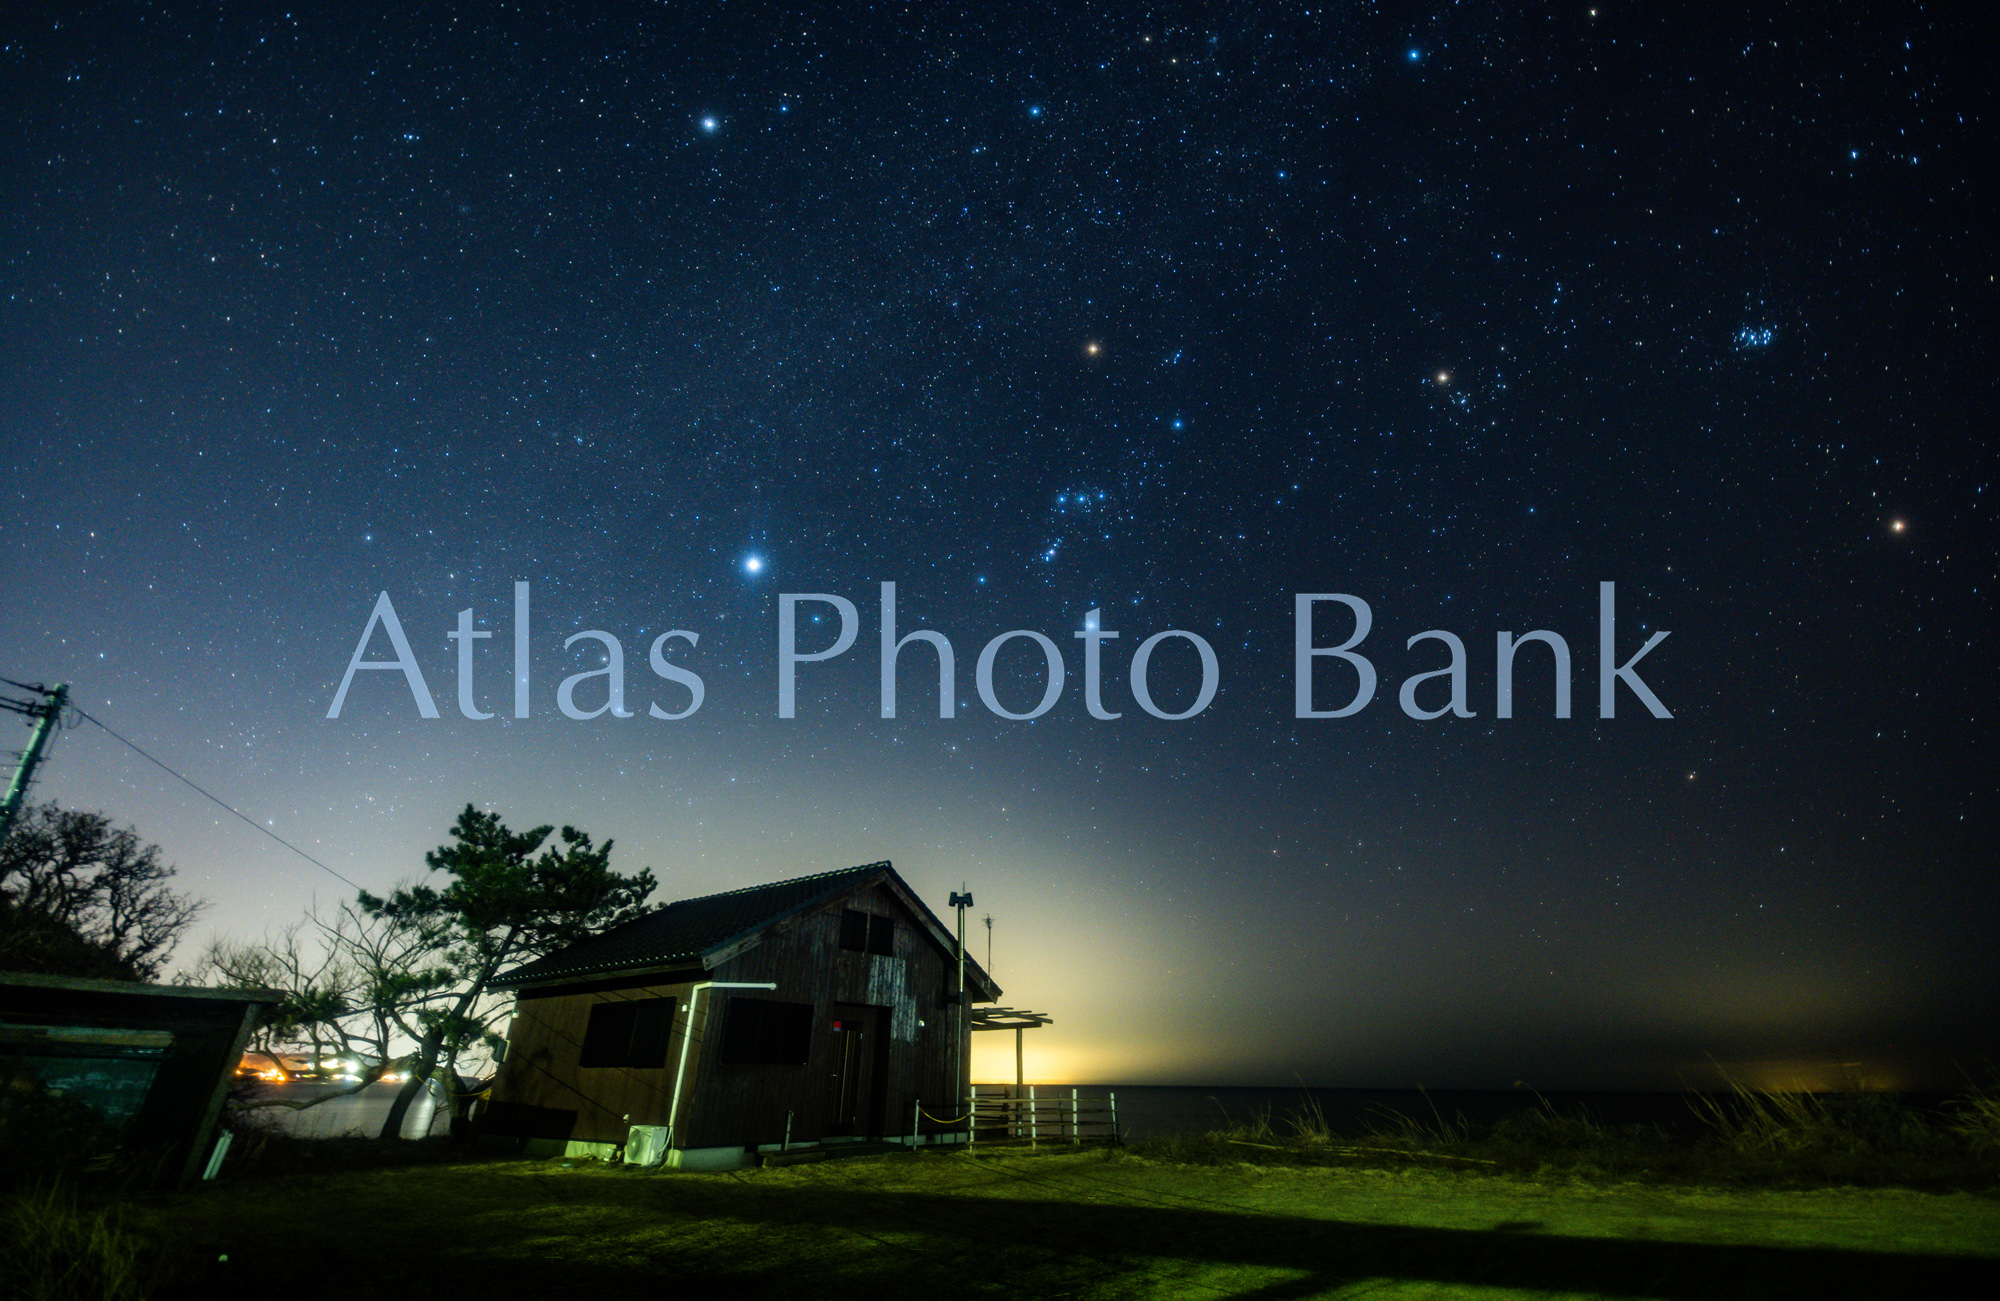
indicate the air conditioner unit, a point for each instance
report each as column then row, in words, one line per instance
column 646, row 1145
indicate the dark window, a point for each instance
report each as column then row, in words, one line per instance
column 765, row 1032
column 867, row 932
column 628, row 1032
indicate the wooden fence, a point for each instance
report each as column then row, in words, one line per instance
column 1042, row 1116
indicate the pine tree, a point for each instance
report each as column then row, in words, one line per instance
column 512, row 897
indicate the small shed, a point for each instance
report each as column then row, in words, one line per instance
column 818, row 1010
column 94, row 1066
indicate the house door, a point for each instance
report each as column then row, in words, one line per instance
column 854, row 1084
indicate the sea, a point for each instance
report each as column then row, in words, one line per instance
column 360, row 1113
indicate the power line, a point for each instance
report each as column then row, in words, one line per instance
column 218, row 803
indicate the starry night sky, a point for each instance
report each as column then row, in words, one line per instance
column 1035, row 311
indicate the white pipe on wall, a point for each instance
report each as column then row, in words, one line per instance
column 687, row 1037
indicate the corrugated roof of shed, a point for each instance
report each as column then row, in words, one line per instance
column 685, row 930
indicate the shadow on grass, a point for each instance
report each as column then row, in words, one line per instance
column 611, row 1235
column 1329, row 1254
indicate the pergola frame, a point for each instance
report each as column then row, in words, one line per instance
column 1010, row 1018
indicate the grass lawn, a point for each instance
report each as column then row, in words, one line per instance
column 1062, row 1226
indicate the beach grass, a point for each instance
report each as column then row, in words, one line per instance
column 1743, row 1139
column 57, row 1246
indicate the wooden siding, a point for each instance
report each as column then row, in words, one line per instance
column 725, row 1104
column 541, row 1068
column 803, row 957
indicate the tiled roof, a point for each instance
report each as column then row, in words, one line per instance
column 682, row 932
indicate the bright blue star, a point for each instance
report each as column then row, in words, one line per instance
column 709, row 125
column 753, row 564
column 1415, row 54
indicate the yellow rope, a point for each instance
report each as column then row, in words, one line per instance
column 940, row 1120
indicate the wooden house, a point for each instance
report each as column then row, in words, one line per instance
column 812, row 1011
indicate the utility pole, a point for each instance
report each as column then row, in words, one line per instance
column 961, row 901
column 47, row 716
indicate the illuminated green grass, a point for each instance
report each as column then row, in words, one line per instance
column 1082, row 1226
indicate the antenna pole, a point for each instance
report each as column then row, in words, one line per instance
column 961, row 901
